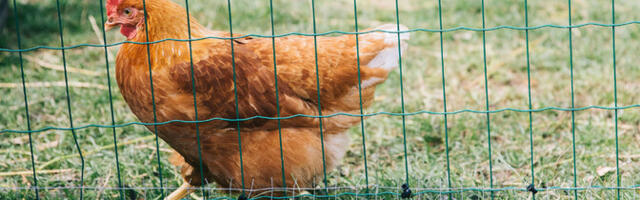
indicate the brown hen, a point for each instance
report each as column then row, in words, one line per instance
column 222, row 76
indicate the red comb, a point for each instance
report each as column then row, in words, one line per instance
column 112, row 6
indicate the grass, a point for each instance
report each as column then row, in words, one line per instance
column 58, row 163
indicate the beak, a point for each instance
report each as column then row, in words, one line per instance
column 110, row 24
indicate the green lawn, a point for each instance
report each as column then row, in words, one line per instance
column 58, row 163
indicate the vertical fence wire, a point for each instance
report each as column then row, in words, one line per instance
column 526, row 32
column 486, row 95
column 275, row 75
column 153, row 98
column 66, row 84
column 573, row 112
column 315, row 47
column 235, row 92
column 195, row 105
column 444, row 98
column 404, row 128
column 615, row 94
column 26, row 101
column 113, row 120
column 364, row 145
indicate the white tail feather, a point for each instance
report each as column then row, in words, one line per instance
column 388, row 57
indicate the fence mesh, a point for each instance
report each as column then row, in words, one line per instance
column 368, row 190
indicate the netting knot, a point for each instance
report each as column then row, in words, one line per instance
column 242, row 197
column 531, row 188
column 406, row 192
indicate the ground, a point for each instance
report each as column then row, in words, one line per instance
column 510, row 166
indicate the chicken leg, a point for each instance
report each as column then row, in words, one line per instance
column 184, row 190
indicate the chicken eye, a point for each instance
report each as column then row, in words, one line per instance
column 127, row 11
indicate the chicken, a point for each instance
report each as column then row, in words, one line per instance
column 236, row 79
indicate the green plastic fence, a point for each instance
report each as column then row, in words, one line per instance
column 405, row 191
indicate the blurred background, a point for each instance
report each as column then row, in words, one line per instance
column 58, row 163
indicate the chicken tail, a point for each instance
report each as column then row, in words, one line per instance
column 384, row 45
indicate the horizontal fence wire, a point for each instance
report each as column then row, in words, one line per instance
column 423, row 190
column 551, row 108
column 427, row 189
column 333, row 33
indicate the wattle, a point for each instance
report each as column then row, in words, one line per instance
column 128, row 31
